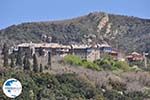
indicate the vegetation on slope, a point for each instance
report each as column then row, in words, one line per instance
column 45, row 86
column 106, row 63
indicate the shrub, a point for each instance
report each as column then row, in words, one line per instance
column 108, row 63
column 90, row 65
column 73, row 60
column 122, row 65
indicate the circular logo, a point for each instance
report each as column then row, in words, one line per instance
column 12, row 88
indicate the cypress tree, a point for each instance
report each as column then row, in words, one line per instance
column 19, row 58
column 41, row 68
column 49, row 59
column 5, row 53
column 26, row 63
column 35, row 64
column 40, row 51
column 12, row 63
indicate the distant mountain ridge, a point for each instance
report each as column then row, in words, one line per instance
column 123, row 32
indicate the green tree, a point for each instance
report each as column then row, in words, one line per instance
column 12, row 63
column 40, row 51
column 19, row 58
column 35, row 64
column 5, row 53
column 49, row 59
column 26, row 63
column 41, row 68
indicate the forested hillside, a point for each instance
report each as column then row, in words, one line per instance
column 123, row 32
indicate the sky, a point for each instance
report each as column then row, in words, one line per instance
column 19, row 11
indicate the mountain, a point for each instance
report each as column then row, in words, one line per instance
column 123, row 32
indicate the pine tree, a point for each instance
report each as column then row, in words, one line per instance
column 26, row 63
column 5, row 53
column 35, row 64
column 41, row 68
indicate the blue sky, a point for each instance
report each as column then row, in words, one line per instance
column 18, row 11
